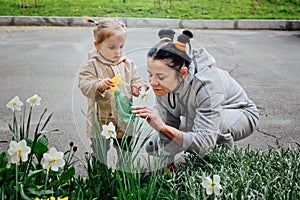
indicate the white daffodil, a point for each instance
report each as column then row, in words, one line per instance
column 35, row 100
column 212, row 185
column 54, row 159
column 109, row 131
column 15, row 104
column 18, row 150
column 144, row 94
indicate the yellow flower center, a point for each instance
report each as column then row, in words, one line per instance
column 19, row 152
column 212, row 185
column 14, row 104
column 53, row 161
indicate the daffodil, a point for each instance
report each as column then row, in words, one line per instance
column 15, row 104
column 65, row 198
column 109, row 131
column 212, row 185
column 18, row 150
column 35, row 100
column 54, row 159
column 116, row 80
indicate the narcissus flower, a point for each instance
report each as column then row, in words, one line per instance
column 15, row 104
column 35, row 100
column 116, row 80
column 109, row 131
column 54, row 159
column 212, row 185
column 18, row 150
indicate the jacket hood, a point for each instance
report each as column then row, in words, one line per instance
column 200, row 60
column 94, row 54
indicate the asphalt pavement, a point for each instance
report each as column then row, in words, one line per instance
column 45, row 60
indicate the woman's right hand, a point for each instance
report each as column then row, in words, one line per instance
column 151, row 115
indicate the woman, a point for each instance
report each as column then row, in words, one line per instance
column 198, row 104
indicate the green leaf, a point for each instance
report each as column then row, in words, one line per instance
column 44, row 140
column 3, row 160
column 67, row 175
column 32, row 173
column 40, row 148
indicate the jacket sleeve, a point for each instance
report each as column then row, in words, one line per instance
column 88, row 80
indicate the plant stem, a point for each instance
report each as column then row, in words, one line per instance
column 17, row 181
column 47, row 176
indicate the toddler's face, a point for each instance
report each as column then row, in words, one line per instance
column 112, row 48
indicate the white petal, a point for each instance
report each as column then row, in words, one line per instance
column 105, row 134
column 59, row 155
column 14, row 159
column 24, row 157
column 45, row 163
column 209, row 190
column 22, row 144
column 216, row 179
column 46, row 156
column 217, row 189
column 113, row 134
column 52, row 152
column 54, row 168
column 206, row 181
column 12, row 147
column 111, row 127
column 60, row 163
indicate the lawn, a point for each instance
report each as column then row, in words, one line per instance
column 183, row 9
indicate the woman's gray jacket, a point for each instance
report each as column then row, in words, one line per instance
column 198, row 107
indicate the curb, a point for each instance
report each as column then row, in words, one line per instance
column 156, row 23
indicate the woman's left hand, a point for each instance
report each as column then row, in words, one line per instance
column 151, row 115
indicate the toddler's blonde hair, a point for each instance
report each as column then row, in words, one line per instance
column 107, row 28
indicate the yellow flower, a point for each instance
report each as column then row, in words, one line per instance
column 65, row 198
column 117, row 81
column 53, row 198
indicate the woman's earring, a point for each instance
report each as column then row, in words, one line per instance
column 184, row 71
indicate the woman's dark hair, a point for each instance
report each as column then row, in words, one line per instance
column 171, row 51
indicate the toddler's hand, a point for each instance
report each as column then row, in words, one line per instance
column 104, row 84
column 136, row 90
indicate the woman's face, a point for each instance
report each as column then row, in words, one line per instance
column 162, row 78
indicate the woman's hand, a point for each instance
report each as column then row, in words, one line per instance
column 151, row 115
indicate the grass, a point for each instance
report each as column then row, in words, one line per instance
column 183, row 9
column 245, row 174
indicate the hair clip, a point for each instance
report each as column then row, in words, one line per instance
column 164, row 39
column 123, row 25
column 92, row 21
